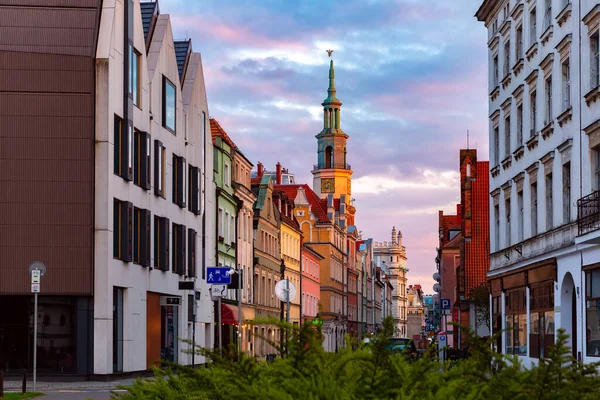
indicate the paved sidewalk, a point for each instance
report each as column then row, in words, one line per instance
column 13, row 385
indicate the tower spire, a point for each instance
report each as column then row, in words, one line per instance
column 331, row 91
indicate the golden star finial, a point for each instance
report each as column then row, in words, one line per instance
column 329, row 52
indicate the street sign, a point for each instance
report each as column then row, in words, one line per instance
column 39, row 266
column 427, row 320
column 218, row 275
column 170, row 301
column 35, row 276
column 35, row 288
column 217, row 290
column 445, row 304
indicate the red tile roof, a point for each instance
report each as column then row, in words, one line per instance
column 217, row 131
column 315, row 203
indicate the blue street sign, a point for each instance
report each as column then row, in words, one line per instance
column 218, row 275
column 445, row 304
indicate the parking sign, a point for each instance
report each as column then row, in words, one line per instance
column 445, row 304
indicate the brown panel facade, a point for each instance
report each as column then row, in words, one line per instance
column 153, row 330
column 47, row 143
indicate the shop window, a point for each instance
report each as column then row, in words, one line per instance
column 541, row 314
column 592, row 297
column 516, row 322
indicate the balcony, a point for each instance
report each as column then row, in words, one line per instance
column 317, row 167
column 588, row 213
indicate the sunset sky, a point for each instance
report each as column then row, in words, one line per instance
column 412, row 77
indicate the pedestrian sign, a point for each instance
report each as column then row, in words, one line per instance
column 218, row 275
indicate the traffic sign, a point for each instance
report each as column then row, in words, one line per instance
column 35, row 288
column 445, row 304
column 218, row 275
column 217, row 291
column 35, row 276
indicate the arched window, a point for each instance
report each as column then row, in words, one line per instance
column 328, row 157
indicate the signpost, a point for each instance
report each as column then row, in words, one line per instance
column 36, row 270
column 445, row 304
column 218, row 275
column 216, row 292
column 442, row 343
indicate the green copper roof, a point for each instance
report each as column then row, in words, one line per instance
column 331, row 98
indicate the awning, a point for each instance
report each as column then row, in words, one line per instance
column 229, row 314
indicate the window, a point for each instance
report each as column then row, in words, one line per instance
column 117, row 329
column 548, row 15
column 549, row 214
column 141, row 236
column 226, row 175
column 169, row 105
column 194, row 192
column 134, row 75
column 520, row 216
column 592, row 296
column 532, row 113
column 566, row 177
column 519, row 49
column 496, row 145
column 548, row 87
column 596, row 160
column 497, row 227
column 506, row 58
column 496, row 321
column 534, row 204
column 496, row 75
column 519, row 125
column 516, row 322
column 123, row 143
column 220, row 224
column 594, row 59
column 541, row 314
column 226, row 236
column 532, row 27
column 123, row 230
column 191, row 268
column 160, row 160
column 161, row 243
column 142, row 160
column 179, row 240
column 566, row 84
column 179, row 187
column 507, row 226
column 232, row 239
column 507, row 136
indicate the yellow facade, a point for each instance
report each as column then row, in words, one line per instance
column 290, row 251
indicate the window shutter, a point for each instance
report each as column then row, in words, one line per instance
column 145, row 140
column 190, row 308
column 127, row 231
column 127, row 153
column 145, row 227
column 118, row 145
column 181, row 250
column 182, row 183
column 191, row 267
column 164, row 246
column 157, row 165
column 194, row 190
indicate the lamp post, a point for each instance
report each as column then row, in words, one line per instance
column 240, row 274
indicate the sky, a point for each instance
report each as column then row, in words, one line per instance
column 412, row 77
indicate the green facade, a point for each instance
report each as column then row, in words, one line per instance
column 226, row 205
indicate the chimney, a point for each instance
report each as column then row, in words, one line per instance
column 278, row 174
column 458, row 210
column 260, row 170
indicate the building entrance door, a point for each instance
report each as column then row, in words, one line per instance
column 169, row 334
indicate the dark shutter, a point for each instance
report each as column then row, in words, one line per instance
column 126, row 149
column 164, row 245
column 190, row 308
column 194, row 189
column 182, row 183
column 157, row 164
column 175, row 179
column 145, row 227
column 180, row 267
column 191, row 267
column 117, row 139
column 126, row 231
column 144, row 160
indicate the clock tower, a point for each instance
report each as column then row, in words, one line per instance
column 332, row 174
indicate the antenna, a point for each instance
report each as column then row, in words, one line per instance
column 467, row 139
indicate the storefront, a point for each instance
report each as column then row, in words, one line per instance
column 162, row 329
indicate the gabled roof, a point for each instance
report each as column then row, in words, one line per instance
column 182, row 50
column 150, row 12
column 217, row 131
column 316, row 206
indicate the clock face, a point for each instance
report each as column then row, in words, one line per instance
column 328, row 185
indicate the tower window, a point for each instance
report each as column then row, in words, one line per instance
column 329, row 157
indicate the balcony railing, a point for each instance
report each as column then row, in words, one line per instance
column 588, row 213
column 332, row 166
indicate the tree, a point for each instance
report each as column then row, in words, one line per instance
column 480, row 296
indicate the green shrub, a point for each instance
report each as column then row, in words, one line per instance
column 303, row 370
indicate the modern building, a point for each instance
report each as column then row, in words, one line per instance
column 544, row 150
column 391, row 257
column 311, row 283
column 107, row 137
column 268, row 268
column 242, row 186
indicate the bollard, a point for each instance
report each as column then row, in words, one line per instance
column 1, row 384
column 24, row 387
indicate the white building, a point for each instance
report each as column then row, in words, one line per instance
column 544, row 111
column 151, row 192
column 391, row 257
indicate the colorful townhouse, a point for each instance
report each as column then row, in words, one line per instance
column 310, row 283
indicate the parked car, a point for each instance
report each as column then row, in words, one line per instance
column 402, row 345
